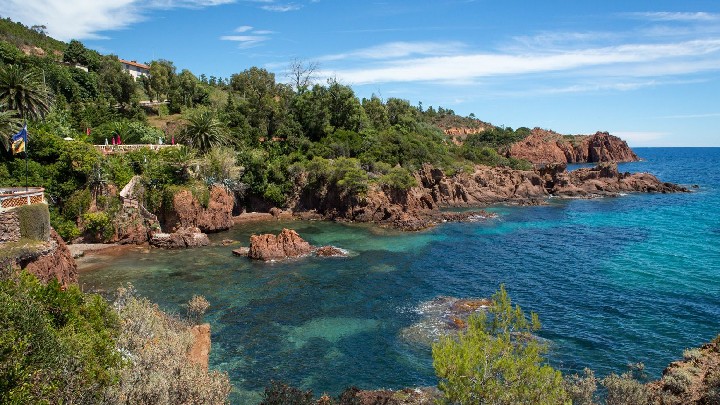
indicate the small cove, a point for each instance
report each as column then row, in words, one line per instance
column 614, row 280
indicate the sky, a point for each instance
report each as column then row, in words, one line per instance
column 647, row 71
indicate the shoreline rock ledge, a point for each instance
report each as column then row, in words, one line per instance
column 286, row 245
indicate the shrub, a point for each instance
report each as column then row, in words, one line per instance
column 581, row 389
column 34, row 221
column 57, row 345
column 98, row 225
column 196, row 308
column 155, row 346
column 497, row 360
column 398, row 178
column 282, row 394
column 677, row 381
column 624, row 389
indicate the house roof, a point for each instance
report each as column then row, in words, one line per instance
column 133, row 63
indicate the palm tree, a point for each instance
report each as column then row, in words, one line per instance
column 9, row 125
column 204, row 131
column 21, row 90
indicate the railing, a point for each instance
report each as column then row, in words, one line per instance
column 112, row 149
column 11, row 197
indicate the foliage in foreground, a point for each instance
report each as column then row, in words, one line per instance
column 497, row 360
column 156, row 347
column 56, row 345
column 65, row 346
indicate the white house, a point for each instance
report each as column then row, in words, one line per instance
column 135, row 69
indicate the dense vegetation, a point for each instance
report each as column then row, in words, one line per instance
column 65, row 346
column 249, row 131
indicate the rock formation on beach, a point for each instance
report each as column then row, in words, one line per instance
column 543, row 146
column 180, row 239
column 286, row 245
column 187, row 211
column 54, row 263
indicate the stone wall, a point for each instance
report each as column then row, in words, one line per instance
column 9, row 226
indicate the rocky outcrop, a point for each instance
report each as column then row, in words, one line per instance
column 181, row 239
column 56, row 262
column 200, row 350
column 693, row 380
column 330, row 251
column 420, row 207
column 186, row 211
column 542, row 146
column 602, row 180
column 287, row 244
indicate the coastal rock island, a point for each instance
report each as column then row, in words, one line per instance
column 285, row 245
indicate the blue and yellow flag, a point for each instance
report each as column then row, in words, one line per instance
column 20, row 141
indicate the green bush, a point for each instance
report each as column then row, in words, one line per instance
column 497, row 360
column 34, row 221
column 99, row 225
column 625, row 389
column 398, row 178
column 57, row 344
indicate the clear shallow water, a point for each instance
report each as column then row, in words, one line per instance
column 615, row 281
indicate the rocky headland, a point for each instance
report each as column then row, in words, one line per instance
column 421, row 206
column 543, row 146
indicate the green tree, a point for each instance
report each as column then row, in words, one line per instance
column 204, row 131
column 21, row 90
column 162, row 75
column 9, row 124
column 497, row 360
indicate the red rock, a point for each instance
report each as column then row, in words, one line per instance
column 543, row 146
column 58, row 263
column 330, row 251
column 200, row 350
column 181, row 239
column 186, row 211
column 287, row 244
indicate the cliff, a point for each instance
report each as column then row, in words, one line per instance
column 543, row 146
column 419, row 207
column 187, row 212
column 28, row 242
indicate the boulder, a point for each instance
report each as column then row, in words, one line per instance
column 287, row 244
column 186, row 211
column 199, row 353
column 330, row 251
column 181, row 239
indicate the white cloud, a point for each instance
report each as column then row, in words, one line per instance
column 660, row 59
column 250, row 39
column 84, row 19
column 399, row 50
column 676, row 16
column 282, row 8
column 246, row 41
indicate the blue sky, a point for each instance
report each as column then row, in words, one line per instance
column 647, row 71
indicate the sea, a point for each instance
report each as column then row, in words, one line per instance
column 615, row 281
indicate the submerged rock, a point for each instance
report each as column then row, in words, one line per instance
column 330, row 251
column 441, row 316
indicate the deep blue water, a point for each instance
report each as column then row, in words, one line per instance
column 614, row 280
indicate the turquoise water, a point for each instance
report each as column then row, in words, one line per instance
column 615, row 281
